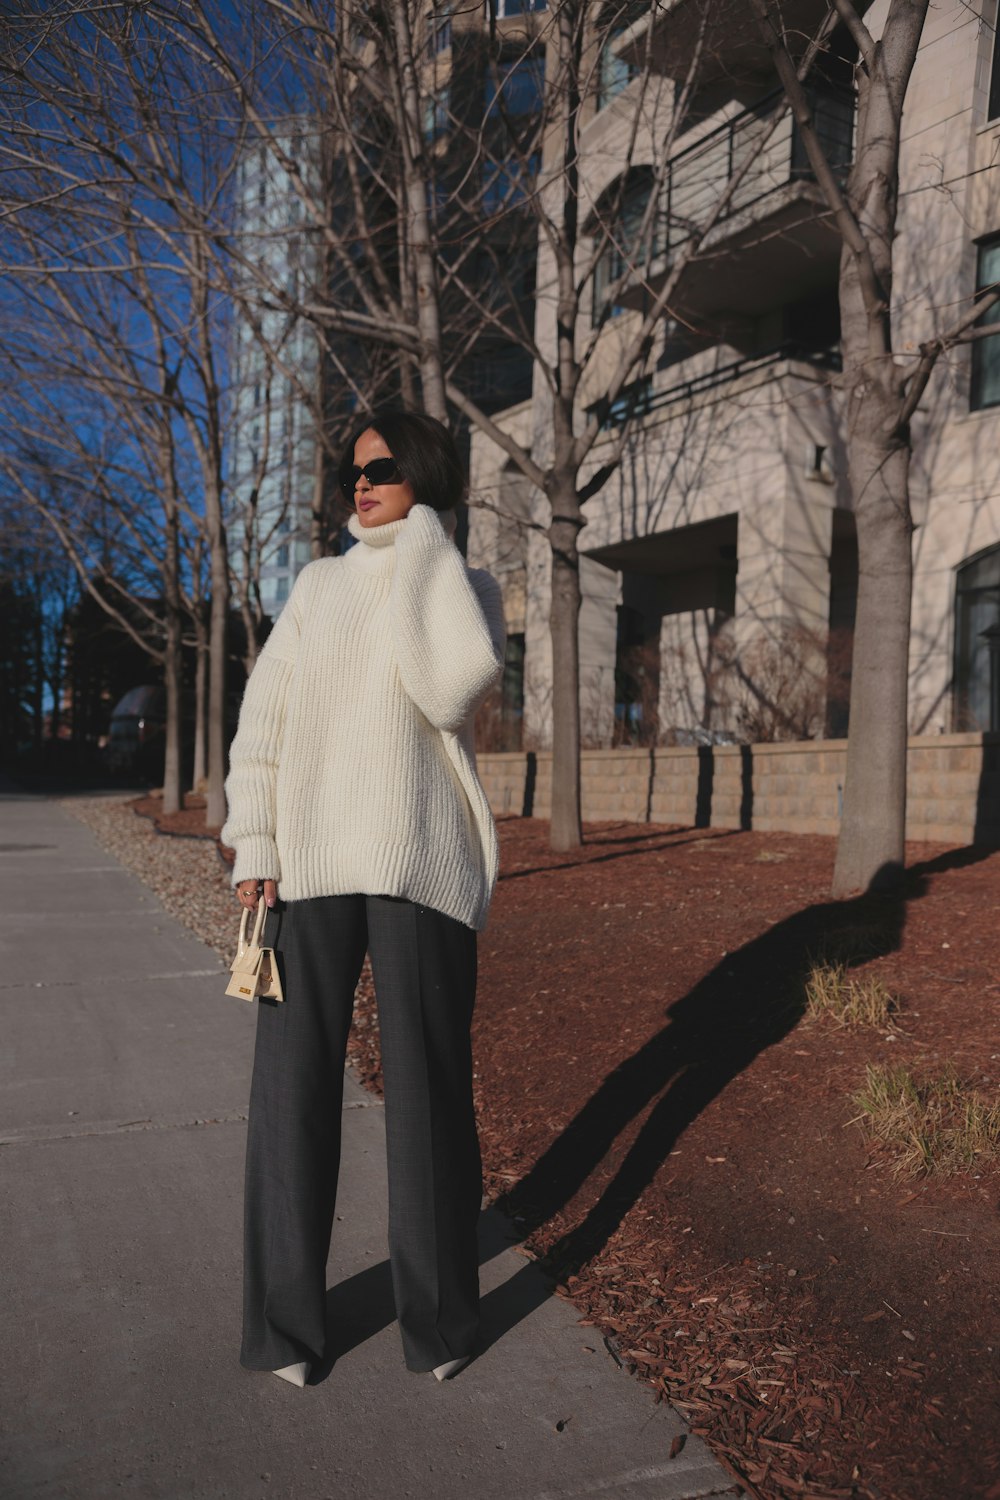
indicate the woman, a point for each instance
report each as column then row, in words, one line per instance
column 356, row 814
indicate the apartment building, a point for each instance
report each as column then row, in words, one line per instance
column 274, row 361
column 719, row 563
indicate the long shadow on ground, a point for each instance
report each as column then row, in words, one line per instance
column 747, row 1003
column 752, row 999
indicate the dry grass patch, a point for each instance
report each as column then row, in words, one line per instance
column 831, row 995
column 932, row 1124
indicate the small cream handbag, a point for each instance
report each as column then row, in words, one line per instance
column 254, row 970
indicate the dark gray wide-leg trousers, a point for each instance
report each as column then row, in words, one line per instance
column 424, row 966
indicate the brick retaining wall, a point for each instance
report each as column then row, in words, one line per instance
column 953, row 787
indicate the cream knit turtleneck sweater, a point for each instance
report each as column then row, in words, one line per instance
column 353, row 767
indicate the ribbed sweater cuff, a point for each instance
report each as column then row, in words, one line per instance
column 256, row 859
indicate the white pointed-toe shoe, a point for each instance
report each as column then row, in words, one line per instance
column 451, row 1367
column 294, row 1374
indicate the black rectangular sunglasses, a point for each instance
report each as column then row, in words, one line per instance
column 379, row 471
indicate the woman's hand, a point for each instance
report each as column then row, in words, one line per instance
column 248, row 893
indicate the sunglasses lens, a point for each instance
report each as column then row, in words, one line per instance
column 381, row 471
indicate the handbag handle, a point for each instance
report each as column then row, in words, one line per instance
column 258, row 927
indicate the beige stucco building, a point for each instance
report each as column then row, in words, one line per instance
column 719, row 562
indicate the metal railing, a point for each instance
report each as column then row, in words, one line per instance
column 699, row 174
column 639, row 399
column 820, row 359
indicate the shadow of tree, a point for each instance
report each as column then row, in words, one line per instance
column 747, row 1003
column 644, row 844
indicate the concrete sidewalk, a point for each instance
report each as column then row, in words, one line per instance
column 123, row 1084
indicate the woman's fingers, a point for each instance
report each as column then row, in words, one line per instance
column 247, row 893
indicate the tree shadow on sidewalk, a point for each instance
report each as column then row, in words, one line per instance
column 749, row 1001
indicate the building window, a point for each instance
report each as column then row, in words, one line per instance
column 281, row 590
column 518, row 84
column 518, row 7
column 436, row 107
column 977, row 643
column 282, row 558
column 621, row 222
column 633, row 400
column 993, row 107
column 440, row 30
column 986, row 351
column 505, row 183
column 613, row 72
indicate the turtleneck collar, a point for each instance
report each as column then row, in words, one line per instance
column 374, row 536
column 376, row 553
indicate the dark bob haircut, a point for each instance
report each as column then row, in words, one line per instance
column 425, row 452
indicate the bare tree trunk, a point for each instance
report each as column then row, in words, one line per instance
column 39, row 684
column 321, row 461
column 870, row 850
column 564, row 625
column 420, row 237
column 215, row 810
column 173, row 797
column 200, row 685
column 566, row 829
column 871, row 846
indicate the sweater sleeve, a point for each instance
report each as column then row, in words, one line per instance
column 251, row 785
column 447, row 621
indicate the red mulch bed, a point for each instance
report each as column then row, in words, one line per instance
column 675, row 1141
column 189, row 822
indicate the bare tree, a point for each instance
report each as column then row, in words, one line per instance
column 457, row 194
column 883, row 386
column 118, row 160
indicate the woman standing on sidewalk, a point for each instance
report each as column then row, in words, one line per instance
column 356, row 814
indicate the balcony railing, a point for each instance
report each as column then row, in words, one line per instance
column 640, row 399
column 769, row 157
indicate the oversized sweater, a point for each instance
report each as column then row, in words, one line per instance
column 353, row 767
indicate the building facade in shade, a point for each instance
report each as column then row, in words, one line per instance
column 719, row 563
column 271, row 453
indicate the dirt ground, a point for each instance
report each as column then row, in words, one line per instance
column 676, row 1142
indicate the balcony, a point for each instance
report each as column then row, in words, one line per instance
column 722, row 35
column 774, row 240
column 644, row 396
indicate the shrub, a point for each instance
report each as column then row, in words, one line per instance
column 851, row 1003
column 931, row 1124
